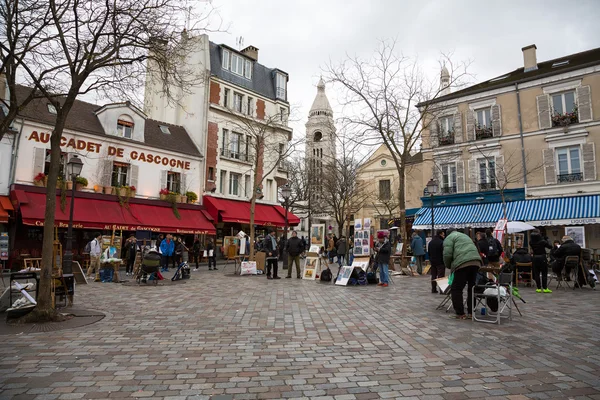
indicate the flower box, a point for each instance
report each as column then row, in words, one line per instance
column 108, row 190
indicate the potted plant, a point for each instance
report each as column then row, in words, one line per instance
column 191, row 197
column 163, row 193
column 40, row 179
column 60, row 182
column 132, row 190
column 108, row 190
column 80, row 183
column 183, row 198
column 98, row 188
column 122, row 190
column 69, row 185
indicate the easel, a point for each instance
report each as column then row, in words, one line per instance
column 59, row 283
column 111, row 241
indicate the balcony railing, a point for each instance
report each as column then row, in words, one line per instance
column 563, row 178
column 448, row 189
column 565, row 119
column 487, row 186
column 232, row 155
column 483, row 133
column 446, row 139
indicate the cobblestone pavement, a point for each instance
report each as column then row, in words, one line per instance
column 225, row 337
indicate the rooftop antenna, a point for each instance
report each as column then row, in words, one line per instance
column 239, row 41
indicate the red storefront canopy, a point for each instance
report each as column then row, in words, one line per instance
column 5, row 207
column 106, row 214
column 225, row 210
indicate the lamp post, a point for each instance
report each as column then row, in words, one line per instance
column 74, row 167
column 432, row 188
column 286, row 193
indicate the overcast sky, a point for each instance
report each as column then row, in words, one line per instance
column 301, row 36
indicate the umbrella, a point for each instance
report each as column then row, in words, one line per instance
column 518, row 226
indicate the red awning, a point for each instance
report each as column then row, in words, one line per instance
column 90, row 213
column 225, row 210
column 5, row 207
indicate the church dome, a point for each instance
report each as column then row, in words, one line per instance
column 321, row 104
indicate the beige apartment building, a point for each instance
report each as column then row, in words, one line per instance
column 529, row 137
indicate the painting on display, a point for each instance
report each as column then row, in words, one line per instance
column 310, row 268
column 360, row 264
column 577, row 233
column 317, row 235
column 357, row 224
column 367, row 224
column 344, row 275
column 314, row 249
column 358, row 249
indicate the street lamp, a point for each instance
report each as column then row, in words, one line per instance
column 432, row 188
column 286, row 193
column 74, row 167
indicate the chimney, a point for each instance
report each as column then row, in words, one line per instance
column 251, row 52
column 529, row 58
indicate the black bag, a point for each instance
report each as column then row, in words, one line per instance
column 492, row 248
column 326, row 275
column 362, row 278
column 372, row 278
column 185, row 271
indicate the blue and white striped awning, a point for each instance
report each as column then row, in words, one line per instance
column 540, row 212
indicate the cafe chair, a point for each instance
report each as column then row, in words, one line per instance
column 523, row 276
column 571, row 264
column 492, row 294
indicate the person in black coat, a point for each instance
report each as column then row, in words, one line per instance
column 270, row 247
column 436, row 257
column 568, row 248
column 483, row 246
column 384, row 252
column 540, row 261
column 495, row 249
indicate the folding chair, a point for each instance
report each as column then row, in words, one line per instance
column 524, row 274
column 502, row 293
column 572, row 263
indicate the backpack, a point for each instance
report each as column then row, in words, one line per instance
column 362, row 278
column 372, row 278
column 326, row 275
column 88, row 247
column 493, row 248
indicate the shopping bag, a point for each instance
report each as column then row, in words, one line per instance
column 205, row 254
column 451, row 278
column 248, row 268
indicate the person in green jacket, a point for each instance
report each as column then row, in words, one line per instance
column 463, row 259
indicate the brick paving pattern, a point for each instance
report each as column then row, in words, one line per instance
column 223, row 337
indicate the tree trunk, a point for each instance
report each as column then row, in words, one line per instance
column 252, row 233
column 402, row 205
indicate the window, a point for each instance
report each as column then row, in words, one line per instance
column 269, row 188
column 281, row 86
column 226, row 98
column 174, row 182
column 120, row 174
column 124, row 129
column 224, row 139
column 318, row 136
column 237, row 102
column 222, row 179
column 211, row 174
column 63, row 160
column 247, row 186
column 448, row 178
column 447, row 126
column 234, row 145
column 484, row 117
column 225, row 59
column 165, row 129
column 51, row 109
column 248, row 69
column 281, row 149
column 487, row 174
column 569, row 164
column 234, row 184
column 563, row 103
column 383, row 163
column 237, row 64
column 385, row 192
column 249, row 107
column 283, row 114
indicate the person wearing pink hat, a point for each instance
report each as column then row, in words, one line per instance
column 384, row 251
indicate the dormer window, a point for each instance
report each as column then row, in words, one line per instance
column 281, row 86
column 165, row 129
column 51, row 109
column 124, row 128
column 237, row 64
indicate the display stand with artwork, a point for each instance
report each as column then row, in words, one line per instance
column 344, row 275
column 317, row 235
column 312, row 262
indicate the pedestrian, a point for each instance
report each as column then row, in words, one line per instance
column 95, row 252
column 159, row 241
column 382, row 258
column 436, row 257
column 331, row 252
column 462, row 258
column 179, row 250
column 303, row 244
column 341, row 247
column 494, row 249
column 132, row 249
column 418, row 251
column 351, row 250
column 270, row 247
column 482, row 245
column 212, row 257
column 294, row 248
column 196, row 253
column 538, row 247
column 167, row 248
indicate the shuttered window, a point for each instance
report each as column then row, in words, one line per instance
column 449, row 178
column 568, row 162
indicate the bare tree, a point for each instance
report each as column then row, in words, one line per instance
column 105, row 48
column 268, row 142
column 381, row 95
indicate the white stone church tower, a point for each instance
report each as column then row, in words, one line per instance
column 320, row 134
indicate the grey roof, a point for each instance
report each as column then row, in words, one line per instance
column 82, row 118
column 263, row 78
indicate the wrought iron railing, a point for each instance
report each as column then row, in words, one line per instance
column 448, row 189
column 446, row 140
column 483, row 133
column 487, row 186
column 562, row 178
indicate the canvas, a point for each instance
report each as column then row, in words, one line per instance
column 344, row 275
column 317, row 235
column 310, row 268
